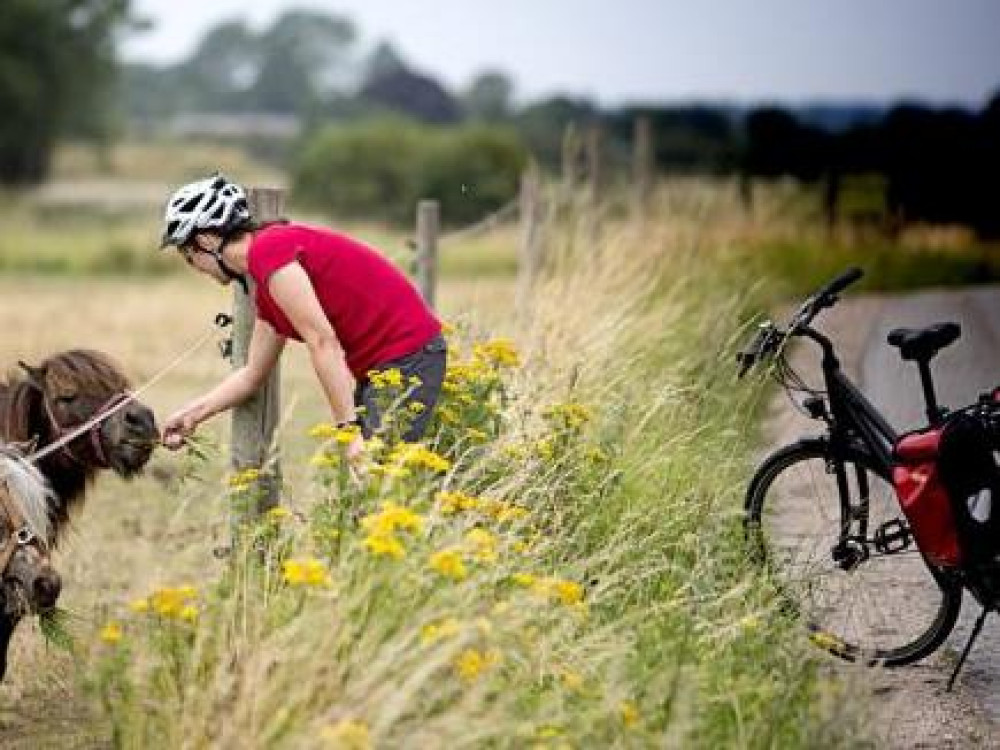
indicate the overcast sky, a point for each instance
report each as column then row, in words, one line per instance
column 656, row 50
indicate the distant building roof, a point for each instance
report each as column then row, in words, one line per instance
column 270, row 124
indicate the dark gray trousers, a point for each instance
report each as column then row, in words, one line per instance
column 428, row 363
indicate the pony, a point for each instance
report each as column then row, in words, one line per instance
column 40, row 406
column 29, row 582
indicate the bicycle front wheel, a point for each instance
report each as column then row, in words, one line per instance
column 832, row 532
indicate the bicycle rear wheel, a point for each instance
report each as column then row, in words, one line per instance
column 860, row 599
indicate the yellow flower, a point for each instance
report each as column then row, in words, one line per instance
column 392, row 518
column 322, row 431
column 524, row 579
column 567, row 592
column 385, row 545
column 597, row 455
column 448, row 563
column 347, row 435
column 188, row 613
column 391, row 472
column 447, row 415
column 569, row 415
column 279, row 513
column 325, row 460
column 482, row 545
column 447, row 329
column 472, row 662
column 629, row 713
column 391, row 378
column 434, row 632
column 416, row 455
column 305, row 572
column 515, row 452
column 416, row 407
column 546, row 448
column 187, row 592
column 476, row 436
column 139, row 606
column 111, row 632
column 455, row 502
column 500, row 352
column 504, row 512
column 241, row 480
column 347, row 734
column 170, row 602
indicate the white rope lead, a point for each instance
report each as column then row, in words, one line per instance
column 130, row 396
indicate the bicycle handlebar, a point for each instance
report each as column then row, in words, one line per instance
column 769, row 337
column 840, row 283
column 825, row 297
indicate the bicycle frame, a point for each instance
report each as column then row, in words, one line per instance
column 852, row 415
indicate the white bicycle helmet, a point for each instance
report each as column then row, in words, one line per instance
column 214, row 203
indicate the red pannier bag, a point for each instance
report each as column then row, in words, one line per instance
column 924, row 498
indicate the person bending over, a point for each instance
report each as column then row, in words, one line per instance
column 351, row 308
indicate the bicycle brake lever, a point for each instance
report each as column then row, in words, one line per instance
column 752, row 354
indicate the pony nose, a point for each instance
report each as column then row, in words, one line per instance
column 139, row 419
column 46, row 589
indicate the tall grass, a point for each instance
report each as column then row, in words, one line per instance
column 581, row 582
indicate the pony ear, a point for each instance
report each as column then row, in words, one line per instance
column 36, row 375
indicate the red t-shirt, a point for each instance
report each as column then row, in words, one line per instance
column 374, row 310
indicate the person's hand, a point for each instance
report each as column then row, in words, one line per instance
column 176, row 429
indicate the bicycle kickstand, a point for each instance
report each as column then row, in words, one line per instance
column 968, row 647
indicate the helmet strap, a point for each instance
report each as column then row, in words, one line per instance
column 227, row 270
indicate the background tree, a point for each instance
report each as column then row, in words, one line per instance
column 407, row 92
column 56, row 68
column 220, row 71
column 302, row 60
column 488, row 97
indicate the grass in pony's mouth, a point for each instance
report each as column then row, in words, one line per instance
column 54, row 625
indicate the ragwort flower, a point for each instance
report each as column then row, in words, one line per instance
column 448, row 563
column 111, row 632
column 472, row 662
column 306, row 571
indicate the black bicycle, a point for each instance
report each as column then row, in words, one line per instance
column 823, row 512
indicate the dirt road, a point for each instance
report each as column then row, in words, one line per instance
column 911, row 709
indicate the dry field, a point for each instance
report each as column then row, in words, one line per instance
column 134, row 537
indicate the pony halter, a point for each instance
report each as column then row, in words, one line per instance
column 19, row 532
column 92, row 428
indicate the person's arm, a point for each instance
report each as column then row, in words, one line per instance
column 292, row 290
column 265, row 349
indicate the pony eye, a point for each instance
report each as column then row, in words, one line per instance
column 66, row 398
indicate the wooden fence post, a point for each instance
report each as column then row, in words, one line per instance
column 642, row 165
column 428, row 224
column 254, row 422
column 530, row 260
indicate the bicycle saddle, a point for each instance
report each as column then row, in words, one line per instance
column 921, row 344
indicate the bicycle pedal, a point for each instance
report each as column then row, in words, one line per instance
column 891, row 537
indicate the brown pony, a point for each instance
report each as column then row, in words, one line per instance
column 38, row 407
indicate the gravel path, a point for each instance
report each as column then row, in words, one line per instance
column 910, row 706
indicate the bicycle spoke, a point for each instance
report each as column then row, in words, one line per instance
column 878, row 602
